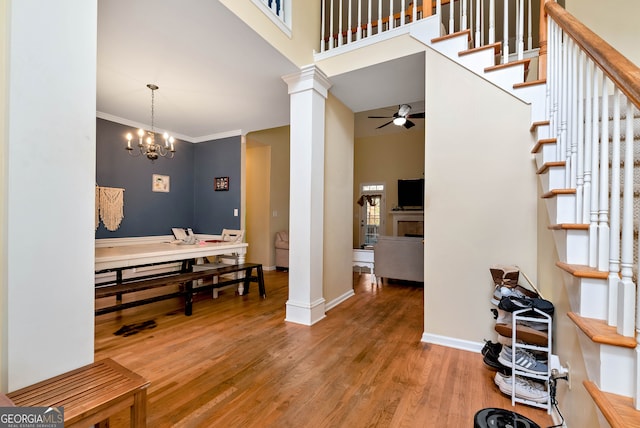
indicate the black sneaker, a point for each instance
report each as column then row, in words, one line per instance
column 490, row 347
column 513, row 303
column 491, row 361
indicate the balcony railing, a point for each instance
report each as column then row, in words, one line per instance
column 514, row 23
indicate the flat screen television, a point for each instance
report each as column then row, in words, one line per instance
column 411, row 194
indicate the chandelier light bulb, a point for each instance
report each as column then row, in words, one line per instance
column 147, row 146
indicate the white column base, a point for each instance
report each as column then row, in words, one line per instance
column 304, row 313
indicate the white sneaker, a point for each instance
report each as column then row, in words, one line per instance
column 525, row 389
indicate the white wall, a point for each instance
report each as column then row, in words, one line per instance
column 480, row 195
column 49, row 189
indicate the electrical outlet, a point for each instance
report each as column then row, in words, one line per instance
column 569, row 374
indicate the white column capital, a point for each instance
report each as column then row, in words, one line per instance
column 309, row 77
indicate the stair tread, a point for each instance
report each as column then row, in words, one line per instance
column 555, row 192
column 600, row 332
column 548, row 165
column 452, row 35
column 495, row 46
column 582, row 271
column 543, row 141
column 618, row 410
column 530, row 83
column 524, row 62
column 534, row 125
column 569, row 226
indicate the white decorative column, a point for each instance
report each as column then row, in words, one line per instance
column 308, row 91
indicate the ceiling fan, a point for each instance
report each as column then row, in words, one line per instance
column 401, row 117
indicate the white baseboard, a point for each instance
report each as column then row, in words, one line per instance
column 465, row 345
column 335, row 302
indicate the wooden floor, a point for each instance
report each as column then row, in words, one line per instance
column 237, row 363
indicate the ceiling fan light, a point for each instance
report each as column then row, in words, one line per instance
column 399, row 121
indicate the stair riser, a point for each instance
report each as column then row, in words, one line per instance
column 546, row 153
column 506, row 77
column 611, row 367
column 477, row 61
column 561, row 209
column 535, row 95
column 453, row 46
column 553, row 178
column 587, row 296
column 572, row 246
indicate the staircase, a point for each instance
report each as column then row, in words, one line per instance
column 606, row 336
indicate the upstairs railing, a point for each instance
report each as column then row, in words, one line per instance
column 593, row 94
column 514, row 23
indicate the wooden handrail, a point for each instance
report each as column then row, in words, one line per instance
column 624, row 73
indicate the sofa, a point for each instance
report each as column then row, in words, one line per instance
column 282, row 250
column 399, row 257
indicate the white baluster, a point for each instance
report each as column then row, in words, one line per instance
column 340, row 37
column 529, row 29
column 603, row 203
column 331, row 28
column 402, row 9
column 572, row 128
column 478, row 41
column 369, row 20
column 565, row 148
column 579, row 132
column 586, row 206
column 626, row 287
column 614, row 235
column 451, row 17
column 492, row 21
column 391, row 23
column 379, row 16
column 463, row 14
column 505, row 43
column 520, row 29
column 595, row 176
column 349, row 25
column 323, row 13
column 359, row 29
column 414, row 13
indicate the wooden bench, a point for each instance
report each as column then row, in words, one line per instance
column 184, row 283
column 90, row 394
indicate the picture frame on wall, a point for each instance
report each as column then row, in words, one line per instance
column 160, row 183
column 221, row 183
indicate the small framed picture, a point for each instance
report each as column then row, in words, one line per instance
column 160, row 183
column 221, row 183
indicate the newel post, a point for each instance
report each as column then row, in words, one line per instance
column 542, row 55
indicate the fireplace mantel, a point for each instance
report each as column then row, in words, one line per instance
column 409, row 223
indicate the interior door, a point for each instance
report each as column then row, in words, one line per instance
column 371, row 219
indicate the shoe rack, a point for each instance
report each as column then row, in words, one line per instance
column 541, row 318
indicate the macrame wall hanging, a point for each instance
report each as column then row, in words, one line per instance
column 109, row 207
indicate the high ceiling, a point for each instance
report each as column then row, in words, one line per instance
column 216, row 76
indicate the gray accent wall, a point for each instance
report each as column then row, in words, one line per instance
column 191, row 200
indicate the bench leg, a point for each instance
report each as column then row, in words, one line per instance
column 261, row 288
column 188, row 298
column 139, row 409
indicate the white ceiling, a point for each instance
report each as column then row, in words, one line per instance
column 216, row 76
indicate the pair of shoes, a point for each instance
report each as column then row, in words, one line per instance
column 490, row 347
column 490, row 352
column 513, row 303
column 525, row 389
column 504, row 290
column 524, row 333
column 503, row 273
column 524, row 361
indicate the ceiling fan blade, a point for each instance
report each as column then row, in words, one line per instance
column 382, row 126
column 379, row 117
column 408, row 124
column 416, row 116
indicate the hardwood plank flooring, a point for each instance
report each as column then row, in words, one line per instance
column 236, row 363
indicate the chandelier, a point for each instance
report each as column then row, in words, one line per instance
column 147, row 139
